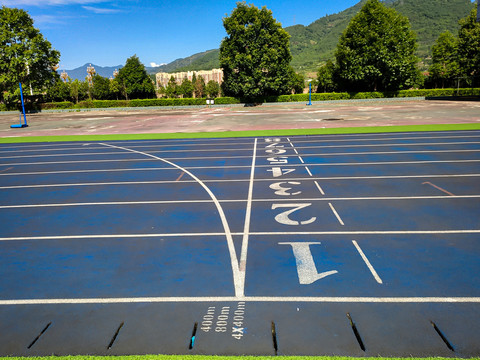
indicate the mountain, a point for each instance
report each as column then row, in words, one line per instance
column 206, row 60
column 314, row 44
column 80, row 73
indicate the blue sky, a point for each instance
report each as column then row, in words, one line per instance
column 106, row 33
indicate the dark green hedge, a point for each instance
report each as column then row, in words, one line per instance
column 373, row 95
column 100, row 104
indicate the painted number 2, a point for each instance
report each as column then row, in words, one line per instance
column 283, row 217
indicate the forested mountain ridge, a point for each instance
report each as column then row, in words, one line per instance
column 314, row 44
column 201, row 61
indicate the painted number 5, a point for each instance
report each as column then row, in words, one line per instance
column 283, row 217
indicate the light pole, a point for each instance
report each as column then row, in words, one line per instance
column 310, row 92
column 90, row 71
column 64, row 76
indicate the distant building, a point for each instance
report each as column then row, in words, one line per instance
column 214, row 74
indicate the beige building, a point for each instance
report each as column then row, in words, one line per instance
column 214, row 74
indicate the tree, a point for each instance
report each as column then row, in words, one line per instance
column 199, row 86
column 135, row 81
column 171, row 89
column 115, row 88
column 469, row 46
column 297, row 82
column 59, row 91
column 444, row 67
column 101, row 88
column 212, row 89
column 377, row 51
column 25, row 55
column 186, row 88
column 255, row 56
column 325, row 77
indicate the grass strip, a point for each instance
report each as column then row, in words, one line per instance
column 250, row 133
column 203, row 357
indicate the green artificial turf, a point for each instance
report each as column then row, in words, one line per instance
column 251, row 133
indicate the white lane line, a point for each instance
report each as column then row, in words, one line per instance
column 111, row 203
column 94, row 147
column 155, row 202
column 308, row 171
column 367, row 262
column 59, row 155
column 226, row 227
column 236, row 150
column 346, row 299
column 388, row 138
column 246, row 228
column 247, row 166
column 298, row 233
column 237, row 180
column 197, row 142
column 303, row 162
column 213, row 167
column 389, row 145
column 319, row 188
column 336, row 214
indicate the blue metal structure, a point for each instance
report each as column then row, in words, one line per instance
column 20, row 125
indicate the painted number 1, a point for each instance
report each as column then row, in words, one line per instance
column 306, row 269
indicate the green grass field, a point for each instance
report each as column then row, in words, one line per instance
column 283, row 132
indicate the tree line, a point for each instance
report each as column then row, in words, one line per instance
column 190, row 88
column 377, row 53
column 131, row 82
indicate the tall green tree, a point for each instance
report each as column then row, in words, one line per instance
column 212, row 89
column 115, row 88
column 199, row 86
column 171, row 88
column 325, row 77
column 101, row 88
column 255, row 55
column 25, row 55
column 444, row 67
column 186, row 88
column 135, row 81
column 297, row 82
column 469, row 47
column 377, row 51
column 59, row 91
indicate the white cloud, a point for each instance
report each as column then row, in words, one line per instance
column 153, row 64
column 97, row 10
column 48, row 19
column 48, row 2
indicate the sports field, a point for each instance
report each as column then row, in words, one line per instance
column 347, row 244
